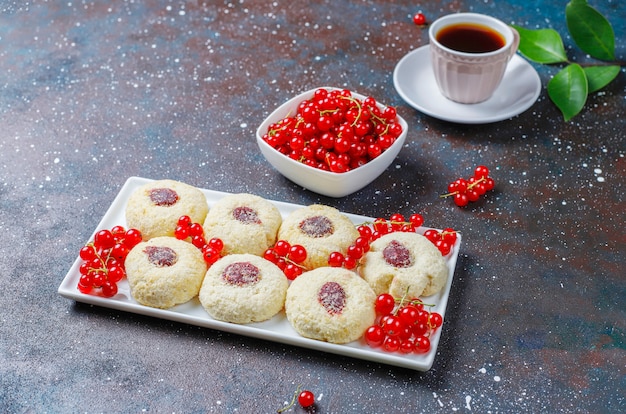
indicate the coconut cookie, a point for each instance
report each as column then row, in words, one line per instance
column 243, row 288
column 163, row 272
column 404, row 263
column 330, row 304
column 155, row 207
column 321, row 229
column 245, row 223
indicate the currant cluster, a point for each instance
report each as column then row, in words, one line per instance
column 211, row 250
column 103, row 259
column 287, row 257
column 367, row 234
column 354, row 253
column 443, row 240
column 403, row 326
column 470, row 190
column 335, row 131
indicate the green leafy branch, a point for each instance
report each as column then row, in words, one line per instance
column 594, row 35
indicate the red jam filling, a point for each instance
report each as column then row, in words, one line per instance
column 396, row 255
column 317, row 226
column 241, row 274
column 163, row 197
column 161, row 256
column 332, row 297
column 246, row 215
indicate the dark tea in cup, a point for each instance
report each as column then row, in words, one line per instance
column 469, row 54
column 470, row 38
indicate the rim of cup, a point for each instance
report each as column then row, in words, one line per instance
column 473, row 18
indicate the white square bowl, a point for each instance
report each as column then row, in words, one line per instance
column 320, row 181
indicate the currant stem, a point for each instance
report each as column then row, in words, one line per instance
column 411, row 302
column 448, row 195
column 469, row 187
column 293, row 400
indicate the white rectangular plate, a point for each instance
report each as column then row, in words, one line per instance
column 277, row 329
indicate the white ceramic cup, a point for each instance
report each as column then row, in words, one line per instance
column 468, row 77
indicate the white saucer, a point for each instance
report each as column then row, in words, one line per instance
column 415, row 82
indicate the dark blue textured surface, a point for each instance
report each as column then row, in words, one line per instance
column 94, row 92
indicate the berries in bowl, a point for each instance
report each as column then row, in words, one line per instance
column 332, row 141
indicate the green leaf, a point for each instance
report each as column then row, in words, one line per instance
column 591, row 31
column 568, row 90
column 542, row 45
column 600, row 76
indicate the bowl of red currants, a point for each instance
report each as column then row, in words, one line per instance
column 332, row 141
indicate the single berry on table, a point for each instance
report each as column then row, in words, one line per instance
column 419, row 19
column 306, row 399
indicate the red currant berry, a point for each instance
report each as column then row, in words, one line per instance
column 461, row 199
column 292, row 271
column 195, row 229
column 282, row 247
column 432, row 235
column 118, row 232
column 116, row 273
column 363, row 243
column 336, row 259
column 365, row 231
column 461, row 185
column 435, row 320
column 423, row 315
column 198, row 241
column 216, row 243
column 210, row 255
column 104, row 240
column 98, row 278
column 393, row 325
column 374, row 336
column 480, row 188
column 297, row 253
column 449, row 235
column 390, row 113
column 472, row 195
column 416, row 220
column 391, row 344
column 420, row 328
column 269, row 255
column 409, row 314
column 132, row 238
column 419, row 19
column 489, row 183
column 184, row 221
column 109, row 289
column 422, row 344
column 119, row 251
column 407, row 346
column 374, row 150
column 306, row 399
column 87, row 253
column 381, row 226
column 481, row 172
column 384, row 304
column 443, row 246
column 350, row 262
column 85, row 289
column 355, row 252
column 181, row 232
column 396, row 220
